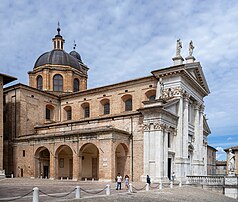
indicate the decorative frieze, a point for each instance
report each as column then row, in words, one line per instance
column 172, row 92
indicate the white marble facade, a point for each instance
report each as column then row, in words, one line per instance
column 175, row 130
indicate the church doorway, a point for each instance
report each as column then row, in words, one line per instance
column 121, row 160
column 64, row 156
column 42, row 162
column 90, row 157
column 169, row 168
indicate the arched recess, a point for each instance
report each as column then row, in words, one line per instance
column 49, row 112
column 122, row 161
column 150, row 95
column 58, row 83
column 42, row 163
column 67, row 113
column 105, row 106
column 85, row 110
column 76, row 85
column 64, row 162
column 90, row 158
column 39, row 82
column 126, row 102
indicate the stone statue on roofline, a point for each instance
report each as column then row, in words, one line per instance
column 178, row 48
column 191, row 47
column 231, row 162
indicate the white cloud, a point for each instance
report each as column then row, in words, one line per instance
column 220, row 154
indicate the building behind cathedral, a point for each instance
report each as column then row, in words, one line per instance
column 57, row 128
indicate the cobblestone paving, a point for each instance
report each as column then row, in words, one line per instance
column 20, row 186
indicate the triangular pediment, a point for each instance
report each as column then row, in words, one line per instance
column 195, row 70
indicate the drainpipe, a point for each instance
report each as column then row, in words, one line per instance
column 15, row 114
column 131, row 138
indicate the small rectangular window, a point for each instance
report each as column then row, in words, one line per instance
column 23, row 153
column 169, row 140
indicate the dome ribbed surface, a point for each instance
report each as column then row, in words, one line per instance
column 57, row 57
column 76, row 55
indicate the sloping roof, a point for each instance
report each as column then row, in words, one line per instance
column 7, row 79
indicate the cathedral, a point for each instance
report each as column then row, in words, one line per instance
column 57, row 128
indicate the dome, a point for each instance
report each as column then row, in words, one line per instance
column 76, row 55
column 58, row 57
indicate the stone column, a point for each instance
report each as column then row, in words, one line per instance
column 201, row 110
column 185, row 131
column 165, row 161
column 178, row 139
column 196, row 139
column 159, row 152
column 77, row 167
column 146, row 149
column 53, row 167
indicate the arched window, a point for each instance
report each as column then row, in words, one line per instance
column 86, row 110
column 49, row 112
column 39, row 81
column 152, row 98
column 76, row 85
column 105, row 106
column 151, row 95
column 68, row 113
column 128, row 105
column 127, row 102
column 58, row 82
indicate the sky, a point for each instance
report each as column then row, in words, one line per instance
column 125, row 39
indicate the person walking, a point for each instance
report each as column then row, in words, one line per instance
column 127, row 182
column 148, row 179
column 119, row 179
column 173, row 177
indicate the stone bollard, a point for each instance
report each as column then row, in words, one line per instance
column 78, row 192
column 35, row 194
column 160, row 185
column 180, row 184
column 67, row 178
column 92, row 179
column 130, row 188
column 61, row 178
column 147, row 188
column 85, row 179
column 108, row 190
column 171, row 184
column 12, row 176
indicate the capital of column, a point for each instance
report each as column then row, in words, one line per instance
column 196, row 105
column 201, row 108
column 186, row 97
column 160, row 126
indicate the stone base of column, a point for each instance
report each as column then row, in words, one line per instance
column 2, row 174
column 231, row 187
column 178, row 60
column 190, row 59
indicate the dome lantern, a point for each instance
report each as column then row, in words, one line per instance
column 58, row 41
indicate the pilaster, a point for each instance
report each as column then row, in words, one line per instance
column 201, row 110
